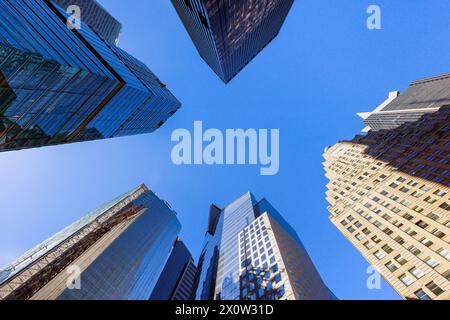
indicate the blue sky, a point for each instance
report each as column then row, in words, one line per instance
column 324, row 67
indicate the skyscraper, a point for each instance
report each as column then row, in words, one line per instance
column 96, row 17
column 251, row 253
column 61, row 85
column 423, row 96
column 177, row 278
column 116, row 252
column 389, row 196
column 229, row 34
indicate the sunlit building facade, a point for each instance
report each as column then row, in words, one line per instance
column 252, row 253
column 389, row 195
column 116, row 252
column 61, row 85
column 229, row 34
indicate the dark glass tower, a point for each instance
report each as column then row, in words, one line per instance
column 229, row 34
column 59, row 85
column 177, row 278
column 120, row 250
column 252, row 253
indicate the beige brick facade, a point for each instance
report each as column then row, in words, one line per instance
column 389, row 195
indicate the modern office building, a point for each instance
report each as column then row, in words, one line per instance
column 389, row 195
column 177, row 278
column 423, row 96
column 62, row 85
column 252, row 253
column 229, row 34
column 116, row 252
column 96, row 17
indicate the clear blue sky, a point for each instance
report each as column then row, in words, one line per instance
column 324, row 67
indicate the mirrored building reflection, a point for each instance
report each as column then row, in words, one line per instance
column 252, row 253
column 230, row 34
column 61, row 85
column 116, row 252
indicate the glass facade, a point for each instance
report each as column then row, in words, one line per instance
column 229, row 34
column 96, row 17
column 177, row 278
column 61, row 86
column 120, row 249
column 252, row 253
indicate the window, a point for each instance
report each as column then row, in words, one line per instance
column 387, row 249
column 368, row 245
column 430, row 200
column 431, row 262
column 393, row 185
column 445, row 206
column 445, row 253
column 376, row 239
column 433, row 287
column 380, row 255
column 391, row 267
column 406, row 280
column 400, row 240
column 426, row 242
column 422, row 224
column 359, row 236
column 438, row 234
column 440, row 193
column 414, row 250
column 421, row 295
column 203, row 20
column 401, row 260
column 416, row 272
column 417, row 194
column 277, row 278
column 433, row 216
column 446, row 275
column 188, row 4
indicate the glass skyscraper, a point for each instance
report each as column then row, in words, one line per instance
column 252, row 253
column 96, row 17
column 116, row 252
column 61, row 85
column 229, row 34
column 177, row 278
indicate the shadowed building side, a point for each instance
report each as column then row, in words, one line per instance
column 177, row 278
